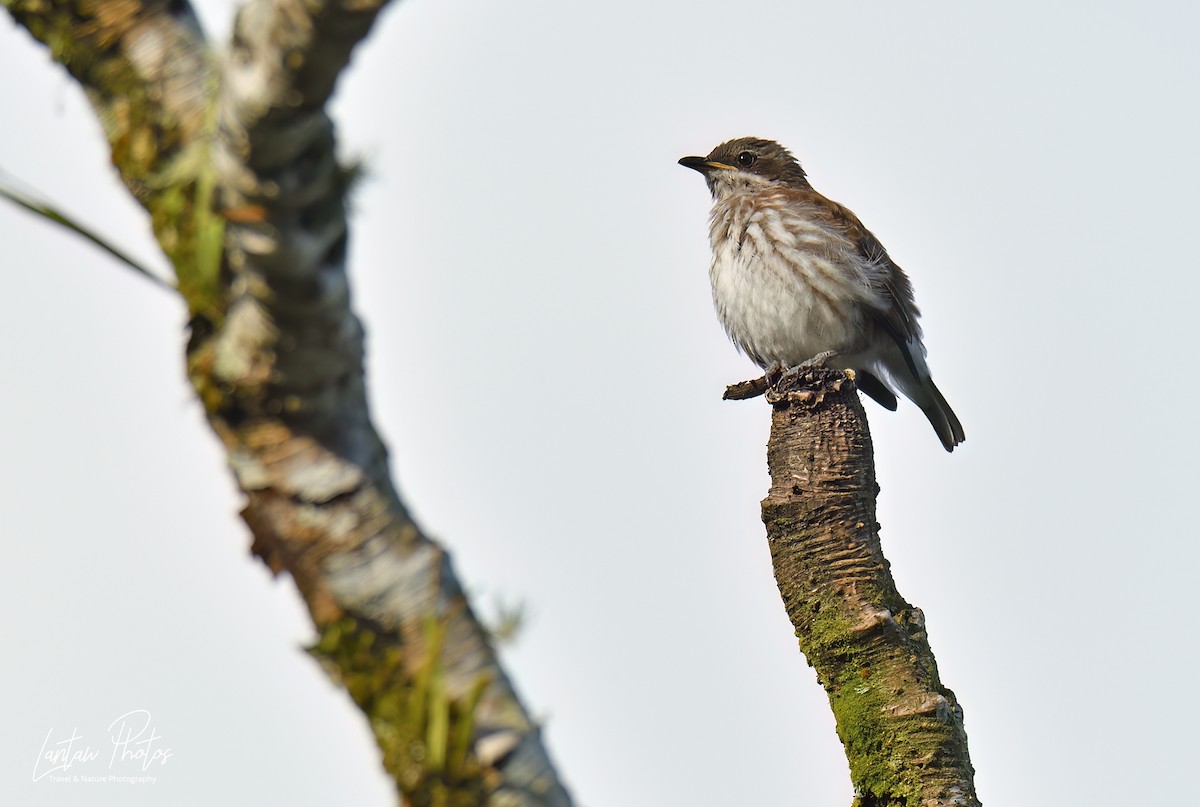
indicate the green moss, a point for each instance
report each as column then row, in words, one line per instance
column 858, row 706
column 164, row 161
column 425, row 735
column 859, row 703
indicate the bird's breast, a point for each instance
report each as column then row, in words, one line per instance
column 785, row 283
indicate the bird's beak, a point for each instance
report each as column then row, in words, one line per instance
column 704, row 165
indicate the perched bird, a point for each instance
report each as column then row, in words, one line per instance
column 797, row 279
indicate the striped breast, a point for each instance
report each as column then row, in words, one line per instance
column 787, row 285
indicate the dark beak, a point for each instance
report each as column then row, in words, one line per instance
column 704, row 165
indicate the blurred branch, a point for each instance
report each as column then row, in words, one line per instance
column 241, row 154
column 902, row 729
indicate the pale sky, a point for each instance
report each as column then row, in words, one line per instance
column 546, row 367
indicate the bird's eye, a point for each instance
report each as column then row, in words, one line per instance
column 747, row 159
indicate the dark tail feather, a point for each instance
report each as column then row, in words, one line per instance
column 876, row 389
column 944, row 421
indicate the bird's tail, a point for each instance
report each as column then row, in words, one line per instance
column 904, row 368
column 944, row 421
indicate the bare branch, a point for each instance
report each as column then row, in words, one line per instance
column 745, row 390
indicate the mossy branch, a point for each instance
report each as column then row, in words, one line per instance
column 234, row 158
column 901, row 727
column 425, row 734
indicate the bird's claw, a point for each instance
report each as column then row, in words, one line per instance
column 777, row 375
column 820, row 360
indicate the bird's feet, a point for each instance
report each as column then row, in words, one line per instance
column 776, row 377
column 819, row 360
column 792, row 374
column 774, row 373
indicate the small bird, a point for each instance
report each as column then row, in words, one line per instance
column 798, row 280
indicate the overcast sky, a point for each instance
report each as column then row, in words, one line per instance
column 546, row 367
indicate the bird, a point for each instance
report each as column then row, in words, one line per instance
column 798, row 281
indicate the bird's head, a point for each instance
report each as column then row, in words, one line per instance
column 747, row 163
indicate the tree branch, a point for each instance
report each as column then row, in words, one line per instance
column 237, row 168
column 902, row 729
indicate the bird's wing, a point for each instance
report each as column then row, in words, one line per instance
column 898, row 315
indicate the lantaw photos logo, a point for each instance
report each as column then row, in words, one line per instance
column 132, row 752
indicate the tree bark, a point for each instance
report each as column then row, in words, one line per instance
column 901, row 727
column 234, row 159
